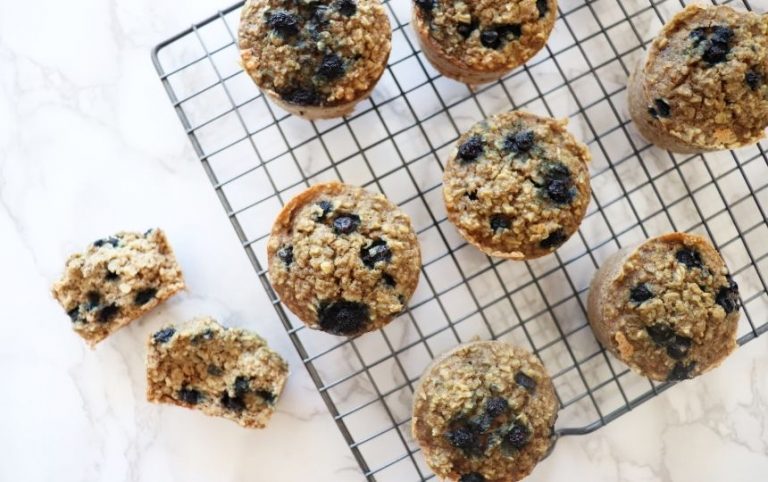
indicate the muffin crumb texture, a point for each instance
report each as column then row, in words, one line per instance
column 116, row 280
column 224, row 372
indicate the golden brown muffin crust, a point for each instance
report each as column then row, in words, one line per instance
column 703, row 85
column 319, row 53
column 344, row 260
column 483, row 35
column 668, row 307
column 517, row 185
column 484, row 409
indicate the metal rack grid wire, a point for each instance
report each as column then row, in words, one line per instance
column 257, row 156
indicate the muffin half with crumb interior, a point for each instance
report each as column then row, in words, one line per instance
column 315, row 59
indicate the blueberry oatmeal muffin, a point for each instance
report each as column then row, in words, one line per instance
column 703, row 84
column 344, row 260
column 315, row 59
column 479, row 41
column 116, row 280
column 223, row 372
column 517, row 185
column 667, row 307
column 484, row 412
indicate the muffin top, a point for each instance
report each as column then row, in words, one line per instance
column 676, row 307
column 705, row 77
column 315, row 53
column 344, row 260
column 484, row 412
column 487, row 35
column 517, row 185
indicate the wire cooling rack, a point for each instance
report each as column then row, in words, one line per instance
column 257, row 157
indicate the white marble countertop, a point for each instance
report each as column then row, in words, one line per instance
column 89, row 145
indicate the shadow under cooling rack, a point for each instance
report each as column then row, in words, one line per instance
column 257, row 157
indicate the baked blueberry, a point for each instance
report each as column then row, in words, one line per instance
column 205, row 335
column 499, row 222
column 753, row 79
column 514, row 29
column 113, row 241
column 164, row 335
column 425, row 5
column 93, row 299
column 301, row 96
column 326, row 207
column 144, row 296
column 286, row 255
column 74, row 314
column 283, row 23
column 472, row 477
column 543, row 7
column 698, row 35
column 462, row 438
column 377, row 251
column 347, row 7
column 466, row 29
column 242, row 386
column 640, row 293
column 346, row 223
column 267, row 396
column 517, row 437
column 388, row 280
column 107, row 313
column 214, row 370
column 342, row 317
column 558, row 185
column 679, row 347
column 719, row 45
column 331, row 67
column 661, row 334
column 555, row 239
column 471, row 149
column 236, row 404
column 490, row 39
column 519, row 142
column 689, row 257
column 728, row 297
column 681, row 371
column 496, row 406
column 661, row 108
column 525, row 381
column 189, row 395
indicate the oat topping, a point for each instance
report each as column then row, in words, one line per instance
column 669, row 309
column 517, row 185
column 703, row 81
column 344, row 260
column 484, row 412
column 315, row 53
column 487, row 34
